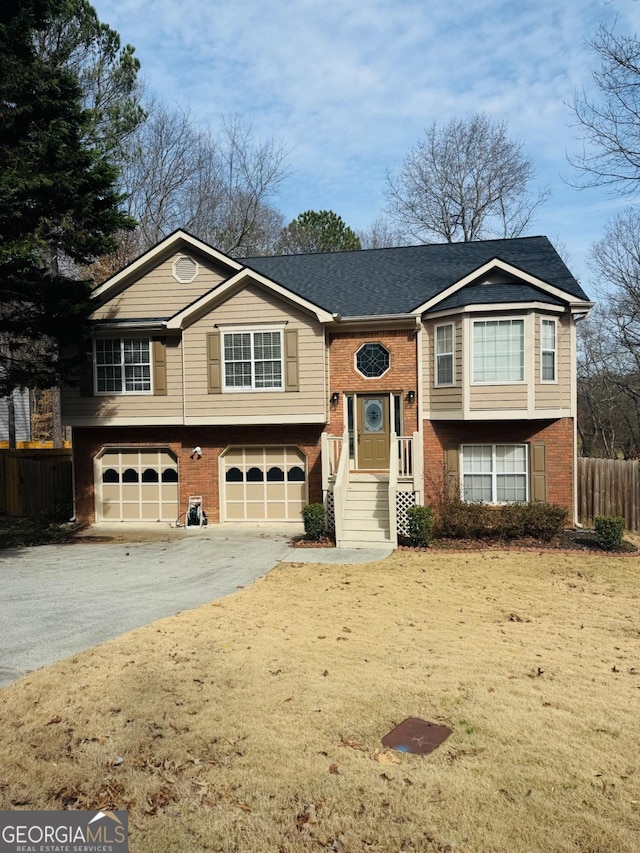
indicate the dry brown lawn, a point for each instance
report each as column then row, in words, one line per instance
column 254, row 724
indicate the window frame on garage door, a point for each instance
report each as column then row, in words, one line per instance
column 287, row 492
column 162, row 494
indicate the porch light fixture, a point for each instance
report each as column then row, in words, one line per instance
column 196, row 453
column 335, row 397
column 411, row 396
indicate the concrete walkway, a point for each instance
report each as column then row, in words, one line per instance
column 58, row 600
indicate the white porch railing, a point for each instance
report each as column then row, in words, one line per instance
column 340, row 486
column 393, row 488
column 405, row 466
column 404, row 454
column 331, row 450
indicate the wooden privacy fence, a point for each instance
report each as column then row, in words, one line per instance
column 34, row 481
column 609, row 487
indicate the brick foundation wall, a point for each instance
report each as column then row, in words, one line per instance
column 196, row 476
column 557, row 436
column 401, row 377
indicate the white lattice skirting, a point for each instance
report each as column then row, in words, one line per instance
column 403, row 501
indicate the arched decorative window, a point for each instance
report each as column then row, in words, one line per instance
column 110, row 476
column 150, row 475
column 234, row 475
column 255, row 475
column 130, row 476
column 169, row 475
column 275, row 475
column 295, row 475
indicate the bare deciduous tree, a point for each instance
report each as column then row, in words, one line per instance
column 609, row 346
column 610, row 122
column 381, row 234
column 219, row 188
column 616, row 260
column 464, row 181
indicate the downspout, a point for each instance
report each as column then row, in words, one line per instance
column 574, row 411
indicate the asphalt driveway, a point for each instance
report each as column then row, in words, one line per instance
column 58, row 600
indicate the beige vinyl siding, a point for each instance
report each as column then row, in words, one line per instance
column 110, row 407
column 498, row 397
column 549, row 395
column 159, row 294
column 248, row 307
column 446, row 398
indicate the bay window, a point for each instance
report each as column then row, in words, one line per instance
column 444, row 354
column 498, row 351
column 548, row 350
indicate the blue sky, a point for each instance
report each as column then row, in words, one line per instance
column 348, row 86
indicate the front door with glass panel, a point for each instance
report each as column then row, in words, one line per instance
column 373, row 431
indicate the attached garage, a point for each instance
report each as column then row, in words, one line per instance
column 136, row 485
column 263, row 483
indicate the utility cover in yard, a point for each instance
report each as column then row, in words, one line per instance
column 417, row 736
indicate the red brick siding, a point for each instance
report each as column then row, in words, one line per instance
column 196, row 476
column 401, row 377
column 557, row 436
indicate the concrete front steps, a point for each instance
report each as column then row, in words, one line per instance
column 365, row 523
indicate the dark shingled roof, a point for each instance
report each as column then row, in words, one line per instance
column 397, row 281
column 488, row 294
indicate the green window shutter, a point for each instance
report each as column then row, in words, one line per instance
column 291, row 382
column 159, row 349
column 452, row 471
column 214, row 366
column 538, row 472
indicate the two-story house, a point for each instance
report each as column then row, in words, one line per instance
column 371, row 380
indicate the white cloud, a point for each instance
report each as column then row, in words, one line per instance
column 349, row 87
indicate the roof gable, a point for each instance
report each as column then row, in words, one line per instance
column 236, row 282
column 179, row 241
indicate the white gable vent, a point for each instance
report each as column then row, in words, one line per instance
column 185, row 269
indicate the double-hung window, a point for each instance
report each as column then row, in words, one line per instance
column 253, row 360
column 123, row 365
column 494, row 473
column 498, row 351
column 444, row 354
column 548, row 346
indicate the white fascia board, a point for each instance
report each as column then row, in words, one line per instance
column 175, row 239
column 487, row 307
column 496, row 263
column 371, row 321
column 129, row 325
column 581, row 309
column 209, row 299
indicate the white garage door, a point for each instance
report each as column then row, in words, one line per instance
column 137, row 485
column 263, row 483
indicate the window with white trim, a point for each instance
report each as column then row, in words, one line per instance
column 495, row 473
column 548, row 348
column 444, row 354
column 498, row 351
column 123, row 365
column 253, row 360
